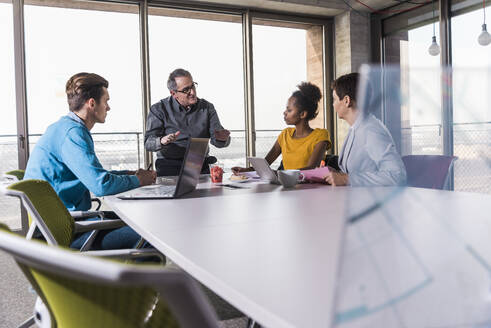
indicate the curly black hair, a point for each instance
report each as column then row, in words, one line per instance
column 306, row 98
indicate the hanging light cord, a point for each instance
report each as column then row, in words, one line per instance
column 433, row 2
column 484, row 9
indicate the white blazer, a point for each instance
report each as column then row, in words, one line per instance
column 369, row 155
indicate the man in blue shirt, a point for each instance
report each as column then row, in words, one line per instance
column 64, row 156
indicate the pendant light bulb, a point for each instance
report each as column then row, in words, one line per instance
column 434, row 49
column 484, row 38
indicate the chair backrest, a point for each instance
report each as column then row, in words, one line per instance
column 428, row 171
column 19, row 174
column 47, row 210
column 332, row 161
column 84, row 291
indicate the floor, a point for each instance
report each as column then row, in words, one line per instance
column 17, row 301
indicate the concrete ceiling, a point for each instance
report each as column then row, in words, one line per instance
column 310, row 7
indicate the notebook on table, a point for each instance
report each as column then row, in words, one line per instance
column 187, row 180
column 315, row 175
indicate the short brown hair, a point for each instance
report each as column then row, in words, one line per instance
column 346, row 85
column 83, row 86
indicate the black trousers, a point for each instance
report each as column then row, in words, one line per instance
column 170, row 167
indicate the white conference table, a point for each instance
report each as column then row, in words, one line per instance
column 275, row 253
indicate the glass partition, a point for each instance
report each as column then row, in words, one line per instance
column 404, row 264
column 471, row 104
column 407, row 261
column 393, row 89
column 99, row 38
column 9, row 207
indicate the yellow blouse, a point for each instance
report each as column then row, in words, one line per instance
column 296, row 152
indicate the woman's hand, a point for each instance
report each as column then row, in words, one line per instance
column 336, row 178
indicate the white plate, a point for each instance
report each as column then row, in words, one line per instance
column 240, row 181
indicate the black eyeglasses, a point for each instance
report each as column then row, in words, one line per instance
column 187, row 90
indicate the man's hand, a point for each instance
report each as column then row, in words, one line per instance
column 146, row 177
column 222, row 135
column 336, row 178
column 169, row 138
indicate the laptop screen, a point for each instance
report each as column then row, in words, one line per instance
column 191, row 168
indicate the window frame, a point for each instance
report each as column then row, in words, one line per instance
column 245, row 15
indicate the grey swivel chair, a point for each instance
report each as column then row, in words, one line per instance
column 80, row 290
column 428, row 171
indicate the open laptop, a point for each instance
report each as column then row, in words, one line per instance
column 263, row 169
column 188, row 177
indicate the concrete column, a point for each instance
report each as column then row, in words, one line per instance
column 315, row 73
column 352, row 44
column 359, row 40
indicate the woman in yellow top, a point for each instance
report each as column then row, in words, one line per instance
column 301, row 147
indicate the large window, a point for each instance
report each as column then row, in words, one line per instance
column 427, row 88
column 210, row 47
column 62, row 38
column 8, row 126
column 420, row 115
column 471, row 104
column 73, row 40
column 284, row 55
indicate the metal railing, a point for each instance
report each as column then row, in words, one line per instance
column 472, row 145
column 125, row 151
column 122, row 151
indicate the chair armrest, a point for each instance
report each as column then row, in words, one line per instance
column 98, row 201
column 79, row 215
column 84, row 226
column 127, row 253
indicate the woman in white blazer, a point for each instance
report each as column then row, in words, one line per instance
column 368, row 156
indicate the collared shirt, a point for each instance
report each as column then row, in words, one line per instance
column 369, row 155
column 64, row 156
column 74, row 117
column 168, row 116
column 348, row 142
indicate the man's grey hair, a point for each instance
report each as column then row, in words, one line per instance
column 171, row 82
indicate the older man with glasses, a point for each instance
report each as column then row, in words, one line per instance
column 175, row 119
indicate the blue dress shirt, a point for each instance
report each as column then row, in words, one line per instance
column 64, row 156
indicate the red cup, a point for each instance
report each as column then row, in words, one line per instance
column 216, row 172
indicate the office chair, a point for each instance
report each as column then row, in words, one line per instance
column 86, row 291
column 54, row 221
column 58, row 228
column 14, row 175
column 18, row 175
column 332, row 161
column 428, row 171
